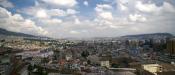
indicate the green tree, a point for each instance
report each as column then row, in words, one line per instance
column 85, row 54
column 30, row 67
column 88, row 62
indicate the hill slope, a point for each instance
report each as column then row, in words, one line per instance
column 5, row 32
column 149, row 36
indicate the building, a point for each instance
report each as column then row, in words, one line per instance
column 134, row 43
column 68, row 57
column 5, row 69
column 56, row 54
column 54, row 74
column 171, row 46
column 36, row 60
column 105, row 62
column 152, row 68
column 158, row 69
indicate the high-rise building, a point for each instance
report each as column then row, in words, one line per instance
column 56, row 54
column 171, row 46
column 5, row 69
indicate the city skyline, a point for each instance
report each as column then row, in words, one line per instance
column 87, row 18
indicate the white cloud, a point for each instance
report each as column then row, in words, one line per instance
column 109, row 21
column 106, row 15
column 17, row 23
column 123, row 7
column 146, row 7
column 152, row 8
column 102, row 7
column 122, row 4
column 168, row 7
column 52, row 21
column 64, row 3
column 105, row 18
column 86, row 3
column 6, row 4
column 41, row 14
column 133, row 16
column 74, row 32
column 71, row 11
column 57, row 12
column 77, row 21
column 124, row 1
column 104, row 11
column 46, row 13
column 137, row 17
column 30, row 25
column 29, row 10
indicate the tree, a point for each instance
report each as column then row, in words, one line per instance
column 114, row 65
column 3, row 40
column 30, row 67
column 89, row 62
column 85, row 54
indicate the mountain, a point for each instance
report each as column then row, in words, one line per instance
column 149, row 36
column 5, row 32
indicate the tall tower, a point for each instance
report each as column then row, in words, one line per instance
column 171, row 46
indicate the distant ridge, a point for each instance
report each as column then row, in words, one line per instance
column 5, row 33
column 10, row 33
column 148, row 36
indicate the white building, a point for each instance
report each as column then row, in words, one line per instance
column 152, row 68
column 68, row 57
column 105, row 63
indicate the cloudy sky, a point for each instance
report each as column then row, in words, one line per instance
column 87, row 18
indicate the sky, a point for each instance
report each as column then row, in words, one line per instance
column 87, row 18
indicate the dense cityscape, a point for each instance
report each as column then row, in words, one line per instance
column 146, row 54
